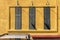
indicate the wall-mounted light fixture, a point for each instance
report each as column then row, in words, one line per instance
column 17, row 2
column 32, row 3
column 47, row 2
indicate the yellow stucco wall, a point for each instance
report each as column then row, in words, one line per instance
column 4, row 16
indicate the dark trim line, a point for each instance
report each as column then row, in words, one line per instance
column 9, row 19
column 57, row 19
column 33, row 6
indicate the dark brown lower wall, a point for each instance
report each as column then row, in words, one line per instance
column 47, row 39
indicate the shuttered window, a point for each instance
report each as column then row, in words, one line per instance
column 32, row 18
column 46, row 17
column 18, row 17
